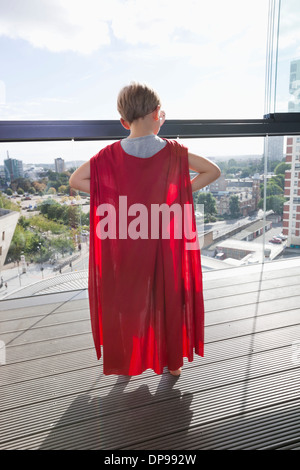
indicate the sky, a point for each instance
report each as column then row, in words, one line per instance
column 68, row 59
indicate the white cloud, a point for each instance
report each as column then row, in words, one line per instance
column 202, row 51
column 213, row 35
column 84, row 27
column 156, row 22
column 57, row 25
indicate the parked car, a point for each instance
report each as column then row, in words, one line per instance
column 275, row 240
column 220, row 256
column 281, row 236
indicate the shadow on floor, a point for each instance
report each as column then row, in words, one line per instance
column 122, row 418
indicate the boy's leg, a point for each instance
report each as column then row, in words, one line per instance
column 175, row 372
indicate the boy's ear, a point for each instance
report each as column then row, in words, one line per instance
column 156, row 113
column 125, row 124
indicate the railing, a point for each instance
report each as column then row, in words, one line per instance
column 30, row 131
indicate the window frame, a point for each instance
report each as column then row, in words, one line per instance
column 37, row 131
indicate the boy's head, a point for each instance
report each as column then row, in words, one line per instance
column 136, row 101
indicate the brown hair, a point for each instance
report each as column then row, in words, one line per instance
column 136, row 100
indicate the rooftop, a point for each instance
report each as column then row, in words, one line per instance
column 256, row 248
column 244, row 394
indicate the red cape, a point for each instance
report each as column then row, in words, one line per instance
column 145, row 294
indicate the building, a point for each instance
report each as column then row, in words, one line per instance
column 8, row 222
column 246, row 202
column 256, row 189
column 246, row 252
column 13, row 169
column 59, row 165
column 247, row 190
column 291, row 209
column 274, row 150
column 294, row 103
column 253, row 231
column 219, row 185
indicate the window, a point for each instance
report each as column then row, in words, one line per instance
column 75, row 63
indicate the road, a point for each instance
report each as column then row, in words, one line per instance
column 15, row 278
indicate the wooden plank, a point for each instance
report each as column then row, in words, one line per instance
column 94, row 428
column 242, row 394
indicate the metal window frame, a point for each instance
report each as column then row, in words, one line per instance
column 39, row 131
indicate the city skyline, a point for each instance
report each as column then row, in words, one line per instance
column 220, row 157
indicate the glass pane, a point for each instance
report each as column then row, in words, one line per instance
column 68, row 60
column 45, row 224
column 288, row 67
column 50, row 241
column 291, row 208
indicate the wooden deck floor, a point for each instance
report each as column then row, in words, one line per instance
column 244, row 394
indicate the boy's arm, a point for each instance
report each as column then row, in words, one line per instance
column 80, row 179
column 208, row 171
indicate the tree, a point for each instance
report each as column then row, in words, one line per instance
column 51, row 190
column 62, row 244
column 279, row 179
column 17, row 244
column 73, row 216
column 43, row 254
column 39, row 186
column 55, row 211
column 281, row 168
column 63, row 189
column 33, row 243
column 208, row 201
column 234, row 208
column 274, row 202
column 195, row 197
column 245, row 173
column 6, row 203
column 24, row 222
column 22, row 183
column 273, row 188
column 232, row 163
column 85, row 219
column 43, row 224
column 44, row 207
